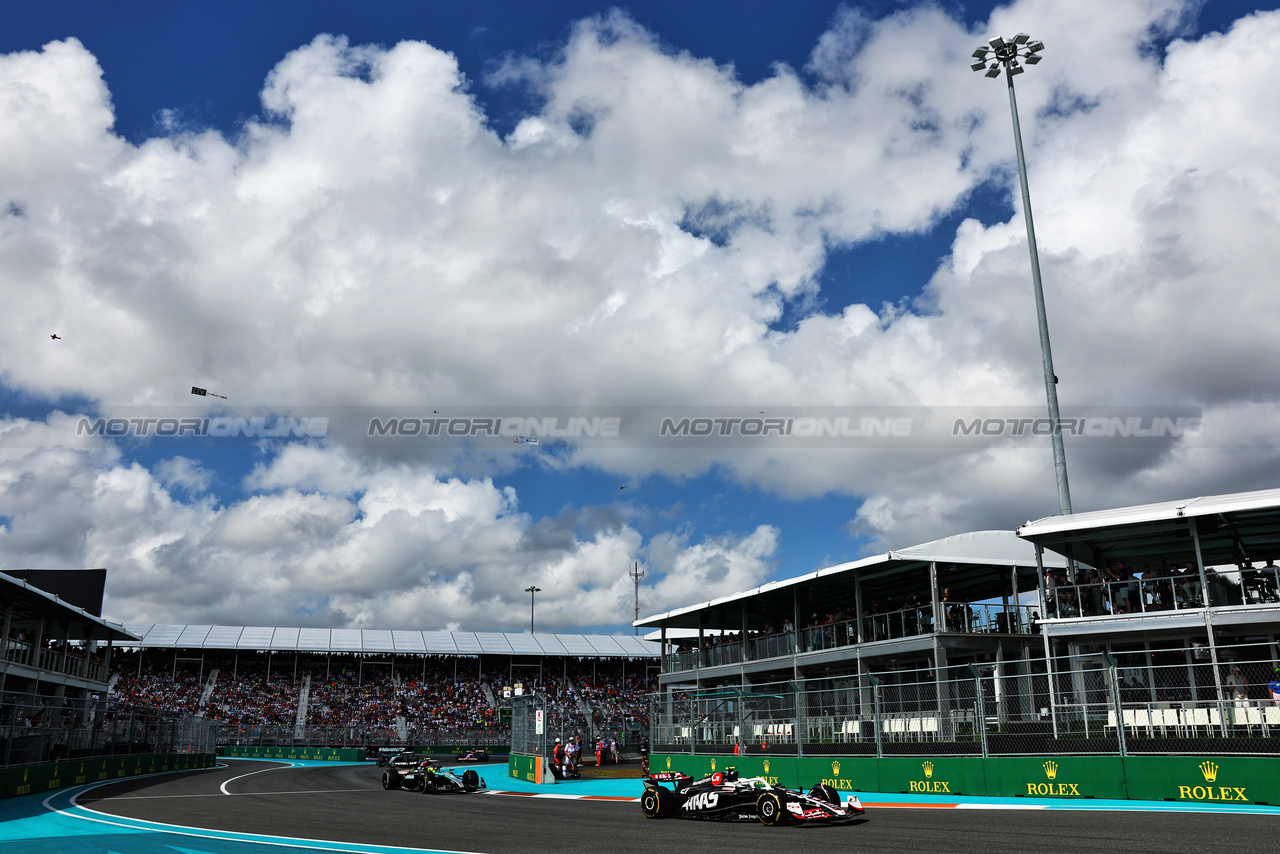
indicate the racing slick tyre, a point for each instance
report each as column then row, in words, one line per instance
column 823, row 792
column 390, row 780
column 769, row 809
column 470, row 780
column 658, row 803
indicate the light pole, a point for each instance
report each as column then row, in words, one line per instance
column 1010, row 56
column 636, row 574
column 531, row 590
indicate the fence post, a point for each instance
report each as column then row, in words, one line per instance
column 875, row 699
column 801, row 734
column 1113, row 683
column 979, row 708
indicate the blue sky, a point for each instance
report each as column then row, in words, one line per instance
column 663, row 239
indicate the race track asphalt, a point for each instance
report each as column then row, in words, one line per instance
column 346, row 803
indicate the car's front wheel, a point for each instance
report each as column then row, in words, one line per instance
column 390, row 780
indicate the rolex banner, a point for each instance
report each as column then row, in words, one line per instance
column 1205, row 780
column 1056, row 777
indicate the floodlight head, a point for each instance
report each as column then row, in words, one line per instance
column 1032, row 59
column 1036, row 46
column 979, row 65
column 994, row 70
column 1015, row 68
column 1021, row 38
column 996, row 42
column 981, row 53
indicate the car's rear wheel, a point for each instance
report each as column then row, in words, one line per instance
column 823, row 792
column 769, row 809
column 658, row 803
column 470, row 780
column 390, row 780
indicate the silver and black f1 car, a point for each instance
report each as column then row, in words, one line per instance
column 420, row 774
column 724, row 796
column 405, row 770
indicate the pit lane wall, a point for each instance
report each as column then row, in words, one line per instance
column 255, row 751
column 1193, row 779
column 41, row 779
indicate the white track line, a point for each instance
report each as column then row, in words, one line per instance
column 234, row 794
column 223, row 787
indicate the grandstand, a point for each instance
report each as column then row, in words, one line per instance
column 1147, row 629
column 302, row 686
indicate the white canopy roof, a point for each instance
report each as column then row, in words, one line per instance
column 280, row 638
column 975, row 548
column 1208, row 505
column 1230, row 529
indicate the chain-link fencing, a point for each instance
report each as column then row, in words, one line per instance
column 1145, row 702
column 529, row 725
column 36, row 729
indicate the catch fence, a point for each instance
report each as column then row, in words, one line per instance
column 335, row 736
column 37, row 729
column 1149, row 702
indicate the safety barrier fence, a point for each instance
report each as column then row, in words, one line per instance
column 1154, row 701
column 324, row 737
column 43, row 778
column 1198, row 779
column 38, row 729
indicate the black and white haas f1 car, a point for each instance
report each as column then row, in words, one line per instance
column 723, row 796
column 420, row 774
column 474, row 756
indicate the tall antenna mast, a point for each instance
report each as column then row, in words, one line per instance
column 636, row 574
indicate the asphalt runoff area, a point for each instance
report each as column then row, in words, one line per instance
column 255, row 806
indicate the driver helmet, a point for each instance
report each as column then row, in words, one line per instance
column 731, row 774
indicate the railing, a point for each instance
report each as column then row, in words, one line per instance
column 962, row 617
column 1144, row 595
column 71, row 662
column 1158, row 702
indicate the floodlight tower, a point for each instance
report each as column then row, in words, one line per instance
column 531, row 590
column 636, row 574
column 1009, row 56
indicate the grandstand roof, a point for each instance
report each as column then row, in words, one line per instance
column 280, row 638
column 30, row 602
column 1231, row 528
column 959, row 553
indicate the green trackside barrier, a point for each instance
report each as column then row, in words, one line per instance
column 524, row 767
column 1218, row 779
column 1205, row 779
column 254, row 751
column 39, row 779
column 851, row 773
column 1056, row 777
column 939, row 775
